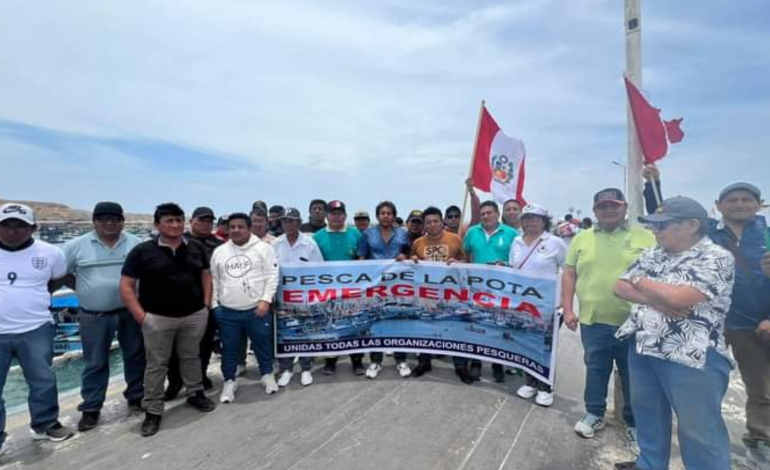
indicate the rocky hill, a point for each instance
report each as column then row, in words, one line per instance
column 53, row 211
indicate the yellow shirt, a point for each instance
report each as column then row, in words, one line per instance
column 599, row 258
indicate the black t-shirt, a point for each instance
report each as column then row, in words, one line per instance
column 307, row 227
column 169, row 282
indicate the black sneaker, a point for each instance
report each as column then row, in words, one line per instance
column 55, row 433
column 135, row 405
column 498, row 373
column 464, row 375
column 626, row 466
column 172, row 391
column 358, row 367
column 421, row 368
column 330, row 368
column 200, row 402
column 207, row 383
column 475, row 371
column 88, row 421
column 151, row 425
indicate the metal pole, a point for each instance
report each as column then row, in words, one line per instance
column 634, row 185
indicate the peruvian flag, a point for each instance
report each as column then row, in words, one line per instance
column 498, row 164
column 654, row 134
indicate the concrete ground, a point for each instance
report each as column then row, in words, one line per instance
column 351, row 423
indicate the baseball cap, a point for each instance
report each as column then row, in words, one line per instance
column 259, row 204
column 741, row 186
column 16, row 211
column 202, row 211
column 276, row 210
column 677, row 208
column 610, row 194
column 534, row 209
column 336, row 205
column 107, row 208
column 292, row 213
column 361, row 215
column 415, row 214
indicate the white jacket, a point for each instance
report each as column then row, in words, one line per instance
column 243, row 275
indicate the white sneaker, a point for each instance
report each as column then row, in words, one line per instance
column 526, row 392
column 632, row 443
column 403, row 369
column 759, row 455
column 373, row 370
column 268, row 380
column 306, row 378
column 228, row 391
column 588, row 425
column 544, row 398
column 240, row 370
column 285, row 378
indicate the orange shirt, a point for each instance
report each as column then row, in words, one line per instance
column 442, row 249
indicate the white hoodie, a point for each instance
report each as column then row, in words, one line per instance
column 243, row 275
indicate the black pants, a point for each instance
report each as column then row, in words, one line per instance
column 354, row 358
column 206, row 348
column 377, row 357
column 535, row 383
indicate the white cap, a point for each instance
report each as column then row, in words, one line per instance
column 21, row 212
column 534, row 209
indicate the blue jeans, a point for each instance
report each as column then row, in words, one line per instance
column 601, row 350
column 97, row 330
column 232, row 325
column 695, row 395
column 34, row 351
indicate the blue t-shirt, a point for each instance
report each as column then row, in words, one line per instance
column 372, row 246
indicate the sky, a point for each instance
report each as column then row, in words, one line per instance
column 223, row 103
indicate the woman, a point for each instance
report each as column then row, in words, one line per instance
column 537, row 252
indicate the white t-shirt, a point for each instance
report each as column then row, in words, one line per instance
column 547, row 258
column 305, row 249
column 24, row 277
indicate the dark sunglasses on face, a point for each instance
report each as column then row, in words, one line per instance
column 452, row 216
column 109, row 219
column 660, row 226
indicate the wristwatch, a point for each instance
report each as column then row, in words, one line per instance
column 636, row 279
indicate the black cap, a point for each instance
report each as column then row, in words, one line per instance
column 415, row 214
column 336, row 205
column 107, row 208
column 610, row 194
column 276, row 210
column 677, row 208
column 259, row 204
column 291, row 213
column 741, row 186
column 201, row 212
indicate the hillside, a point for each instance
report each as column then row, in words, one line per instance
column 53, row 211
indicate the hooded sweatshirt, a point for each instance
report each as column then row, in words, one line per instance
column 243, row 275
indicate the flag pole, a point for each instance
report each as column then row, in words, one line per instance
column 633, row 28
column 473, row 159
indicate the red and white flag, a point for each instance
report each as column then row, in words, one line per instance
column 654, row 133
column 498, row 165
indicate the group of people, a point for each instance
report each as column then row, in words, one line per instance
column 659, row 301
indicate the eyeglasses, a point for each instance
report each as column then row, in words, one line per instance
column 107, row 219
column 660, row 226
column 452, row 216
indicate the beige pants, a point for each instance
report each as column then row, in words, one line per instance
column 753, row 357
column 161, row 336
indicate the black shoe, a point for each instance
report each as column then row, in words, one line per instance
column 498, row 373
column 626, row 466
column 207, row 384
column 56, row 433
column 421, row 368
column 172, row 391
column 151, row 425
column 330, row 367
column 135, row 405
column 475, row 371
column 88, row 421
column 464, row 375
column 200, row 402
column 358, row 367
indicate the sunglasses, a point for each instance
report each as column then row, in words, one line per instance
column 109, row 219
column 661, row 226
column 452, row 216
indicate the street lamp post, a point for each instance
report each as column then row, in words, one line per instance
column 625, row 174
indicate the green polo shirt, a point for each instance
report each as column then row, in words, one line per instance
column 483, row 249
column 338, row 246
column 599, row 258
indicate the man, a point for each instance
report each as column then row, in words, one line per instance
column 259, row 225
column 595, row 260
column 201, row 225
column 339, row 242
column 317, row 219
column 437, row 245
column 361, row 220
column 385, row 241
column 295, row 247
column 171, row 303
column 567, row 229
column 452, row 219
column 27, row 267
column 415, row 225
column 244, row 276
column 678, row 358
column 94, row 261
column 486, row 243
column 274, row 218
column 747, row 237
column 221, row 231
column 511, row 213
